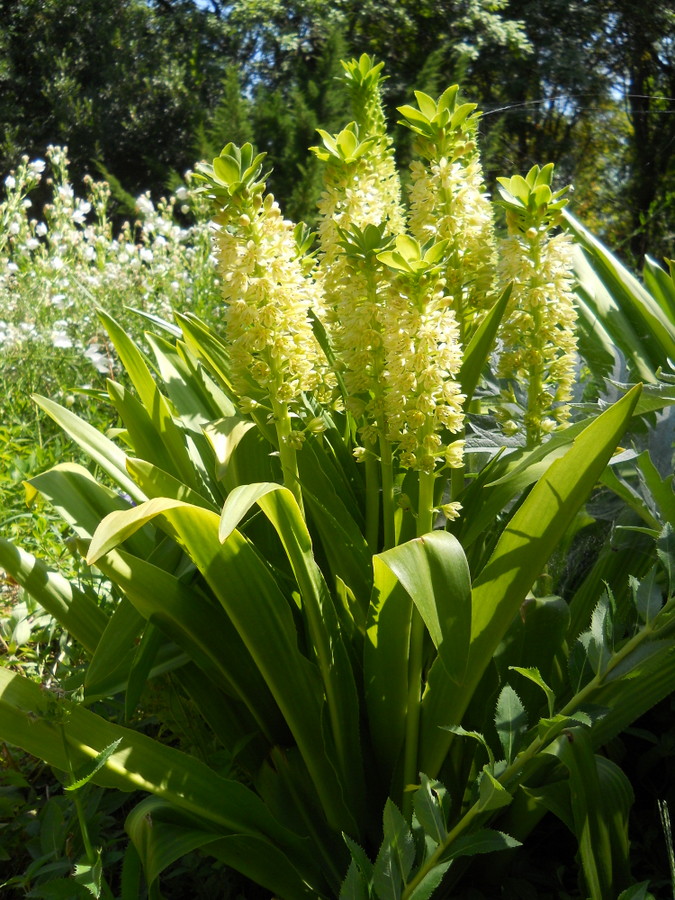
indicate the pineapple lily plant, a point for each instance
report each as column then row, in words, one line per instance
column 345, row 545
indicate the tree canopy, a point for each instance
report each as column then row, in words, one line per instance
column 143, row 88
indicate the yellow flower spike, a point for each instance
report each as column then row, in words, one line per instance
column 539, row 335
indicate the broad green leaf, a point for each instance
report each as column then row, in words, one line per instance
column 89, row 875
column 434, row 572
column 38, row 722
column 153, row 435
column 199, row 626
column 431, row 805
column 386, row 649
column 600, row 806
column 247, row 591
column 480, row 346
column 355, row 886
column 398, row 837
column 101, row 450
column 637, row 892
column 111, row 662
column 534, row 676
column 156, row 483
column 491, row 794
column 485, row 840
column 162, row 834
column 82, row 502
column 518, row 559
column 282, row 510
column 75, row 610
column 636, row 305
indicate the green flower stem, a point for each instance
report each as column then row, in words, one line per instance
column 388, row 505
column 535, row 385
column 425, row 522
column 287, row 454
column 372, row 503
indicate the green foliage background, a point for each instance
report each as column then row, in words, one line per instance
column 141, row 88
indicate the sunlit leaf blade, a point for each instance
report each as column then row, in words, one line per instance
column 260, row 612
column 74, row 609
column 434, row 572
column 102, row 451
column 518, row 559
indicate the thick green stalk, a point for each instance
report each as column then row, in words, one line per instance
column 425, row 521
column 287, row 454
column 372, row 503
column 388, row 505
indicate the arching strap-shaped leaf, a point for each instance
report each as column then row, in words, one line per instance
column 61, row 733
column 518, row 559
column 480, row 346
column 103, row 451
column 434, row 571
column 244, row 586
column 70, row 606
column 282, row 510
column 163, row 834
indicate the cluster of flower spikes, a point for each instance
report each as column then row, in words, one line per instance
column 448, row 200
column 395, row 333
column 538, row 337
column 360, row 210
column 269, row 298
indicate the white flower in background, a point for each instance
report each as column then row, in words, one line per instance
column 97, row 358
column 61, row 339
column 146, row 255
column 41, row 229
column 10, row 182
column 37, row 166
column 80, row 212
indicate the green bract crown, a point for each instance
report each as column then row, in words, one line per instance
column 237, row 171
column 414, row 258
column 444, row 123
column 366, row 243
column 529, row 202
column 362, row 73
column 344, row 146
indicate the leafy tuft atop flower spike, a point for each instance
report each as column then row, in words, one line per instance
column 529, row 202
column 346, row 147
column 446, row 126
column 236, row 172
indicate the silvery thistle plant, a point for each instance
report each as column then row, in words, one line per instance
column 367, row 644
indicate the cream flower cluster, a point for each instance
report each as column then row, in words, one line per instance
column 448, row 202
column 423, row 356
column 268, row 300
column 538, row 338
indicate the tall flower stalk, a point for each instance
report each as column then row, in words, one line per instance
column 360, row 211
column 448, row 200
column 538, row 338
column 275, row 357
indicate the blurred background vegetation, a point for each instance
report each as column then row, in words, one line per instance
column 141, row 89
